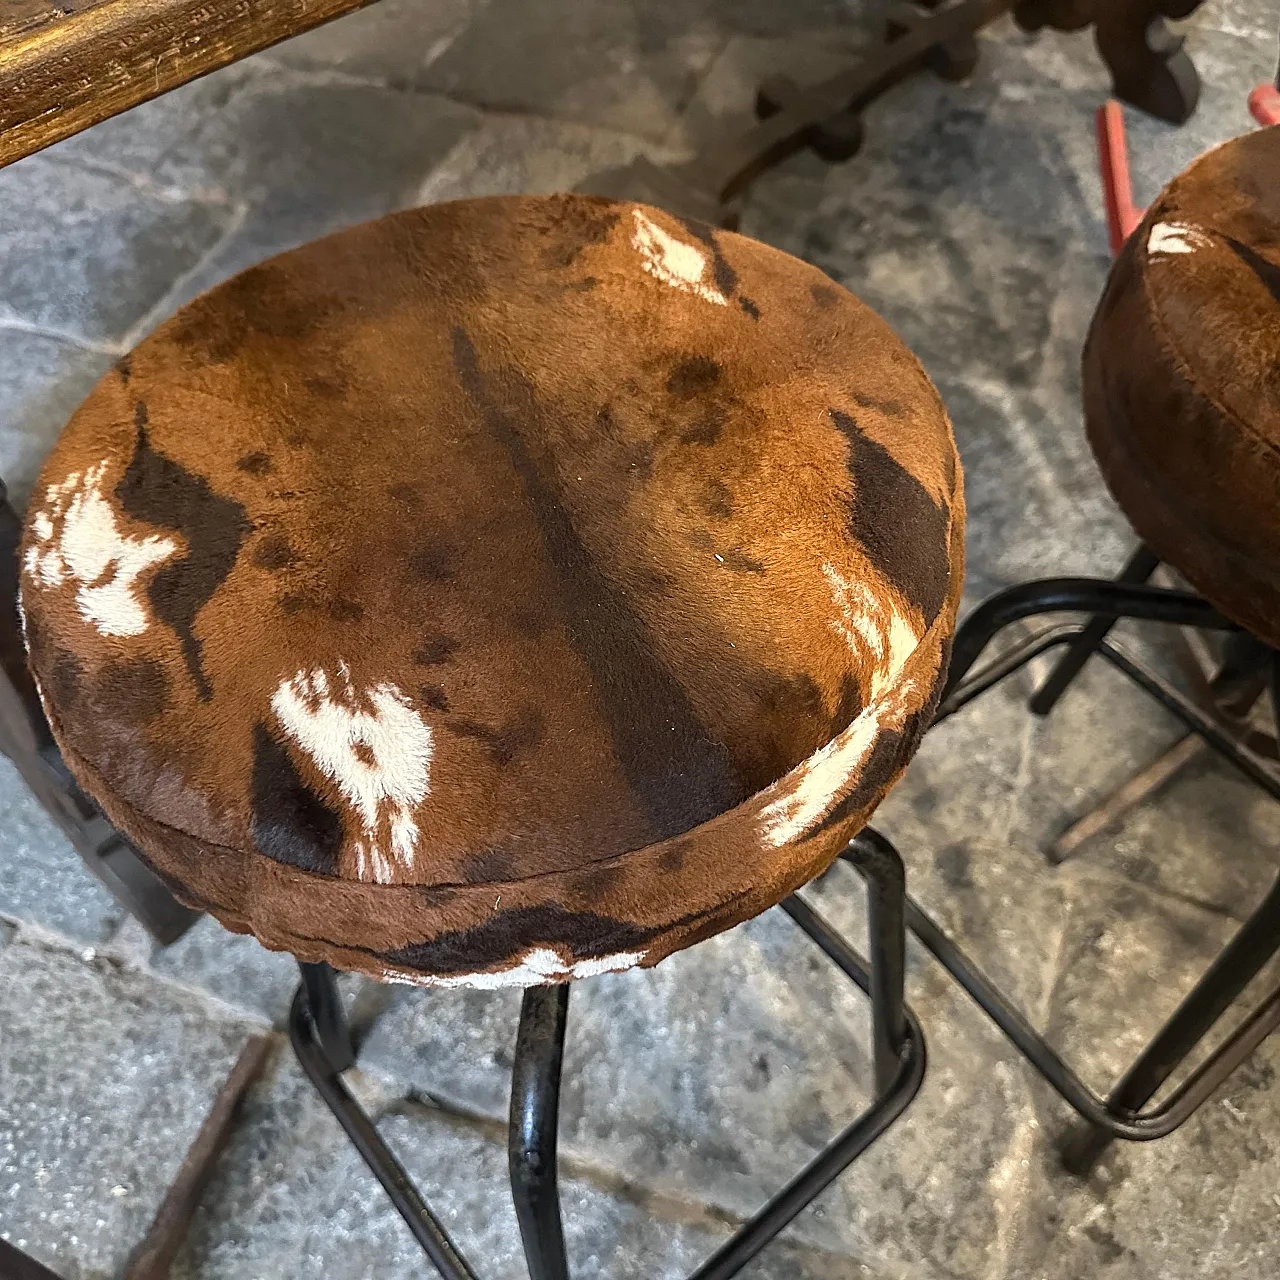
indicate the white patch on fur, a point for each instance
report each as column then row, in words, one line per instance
column 538, row 968
column 673, row 261
column 871, row 627
column 76, row 538
column 331, row 723
column 877, row 633
column 1175, row 237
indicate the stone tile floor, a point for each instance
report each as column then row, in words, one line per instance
column 972, row 220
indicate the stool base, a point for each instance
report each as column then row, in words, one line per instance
column 1121, row 1114
column 318, row 1031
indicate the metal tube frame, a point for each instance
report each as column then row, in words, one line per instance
column 318, row 1031
column 1121, row 1114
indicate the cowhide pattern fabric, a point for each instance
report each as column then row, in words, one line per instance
column 1182, row 378
column 500, row 592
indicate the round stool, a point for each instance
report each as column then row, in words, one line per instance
column 1182, row 404
column 503, row 593
column 1182, row 379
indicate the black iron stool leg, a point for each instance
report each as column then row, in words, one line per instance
column 1122, row 1114
column 535, row 1115
column 1142, row 564
column 321, row 1040
column 899, row 1057
column 881, row 866
column 328, row 1018
column 1255, row 942
column 1061, row 595
column 899, row 1051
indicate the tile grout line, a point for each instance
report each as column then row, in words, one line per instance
column 12, row 323
column 326, row 77
column 214, row 197
column 42, row 937
column 163, row 308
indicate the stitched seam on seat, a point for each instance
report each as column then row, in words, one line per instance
column 1168, row 504
column 436, row 885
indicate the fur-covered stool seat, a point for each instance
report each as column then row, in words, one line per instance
column 501, row 593
column 1182, row 379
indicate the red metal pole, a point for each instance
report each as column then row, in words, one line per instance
column 1113, row 156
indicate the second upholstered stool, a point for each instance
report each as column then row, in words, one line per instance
column 1182, row 405
column 503, row 593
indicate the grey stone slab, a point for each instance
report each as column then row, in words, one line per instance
column 1203, row 1202
column 87, row 253
column 153, row 146
column 511, row 154
column 290, row 1191
column 630, row 68
column 391, row 41
column 281, row 155
column 1128, row 958
column 307, row 158
column 1209, row 836
column 107, row 1077
column 998, row 330
column 1253, row 19
column 42, row 880
column 42, row 379
column 235, row 968
column 1014, row 782
column 455, row 1046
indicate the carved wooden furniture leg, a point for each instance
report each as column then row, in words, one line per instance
column 823, row 116
column 1149, row 67
column 1147, row 62
column 154, row 1256
column 26, row 740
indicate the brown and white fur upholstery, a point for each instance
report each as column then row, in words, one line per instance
column 1182, row 379
column 499, row 592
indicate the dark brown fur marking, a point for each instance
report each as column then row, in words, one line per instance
column 158, row 491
